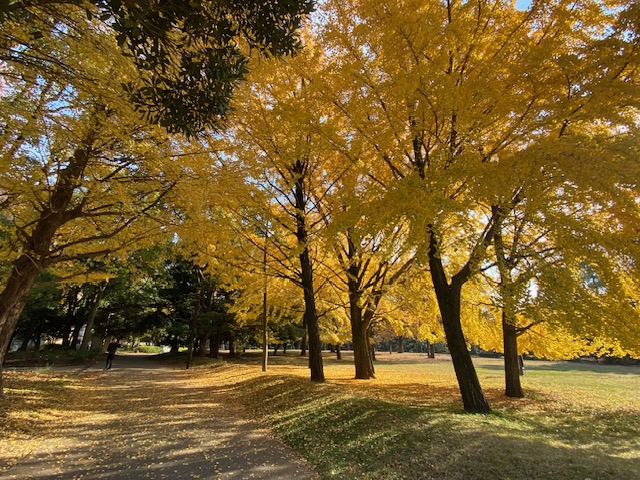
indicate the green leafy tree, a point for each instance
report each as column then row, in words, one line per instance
column 190, row 55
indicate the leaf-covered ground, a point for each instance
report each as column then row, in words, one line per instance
column 135, row 421
column 577, row 422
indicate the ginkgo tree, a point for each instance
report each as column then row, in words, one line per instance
column 465, row 105
column 82, row 175
column 370, row 263
column 277, row 135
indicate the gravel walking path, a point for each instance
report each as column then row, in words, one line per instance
column 142, row 421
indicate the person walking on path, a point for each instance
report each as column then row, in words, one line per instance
column 111, row 352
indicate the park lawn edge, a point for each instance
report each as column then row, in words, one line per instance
column 343, row 434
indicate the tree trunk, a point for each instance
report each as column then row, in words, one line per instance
column 372, row 349
column 310, row 312
column 449, row 302
column 338, row 351
column 400, row 344
column 76, row 334
column 97, row 341
column 73, row 306
column 232, row 346
column 91, row 318
column 175, row 345
column 66, row 333
column 362, row 354
column 306, row 275
column 303, row 342
column 513, row 387
column 190, row 350
column 214, row 345
column 202, row 345
column 12, row 301
column 27, row 336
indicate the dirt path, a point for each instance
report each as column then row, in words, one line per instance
column 140, row 420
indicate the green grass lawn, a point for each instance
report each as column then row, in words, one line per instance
column 579, row 421
column 53, row 356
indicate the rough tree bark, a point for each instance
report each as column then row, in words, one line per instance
column 359, row 328
column 448, row 295
column 310, row 311
column 513, row 387
column 37, row 246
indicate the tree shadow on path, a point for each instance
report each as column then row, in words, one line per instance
column 141, row 420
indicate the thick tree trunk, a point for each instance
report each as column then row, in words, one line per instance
column 66, row 333
column 472, row 395
column 312, row 321
column 400, row 344
column 513, row 387
column 202, row 345
column 175, row 345
column 338, row 351
column 449, row 302
column 362, row 355
column 75, row 337
column 12, row 301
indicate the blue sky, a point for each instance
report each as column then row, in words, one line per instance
column 523, row 4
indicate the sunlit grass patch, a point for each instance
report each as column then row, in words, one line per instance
column 408, row 423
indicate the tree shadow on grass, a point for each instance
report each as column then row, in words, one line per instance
column 348, row 435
